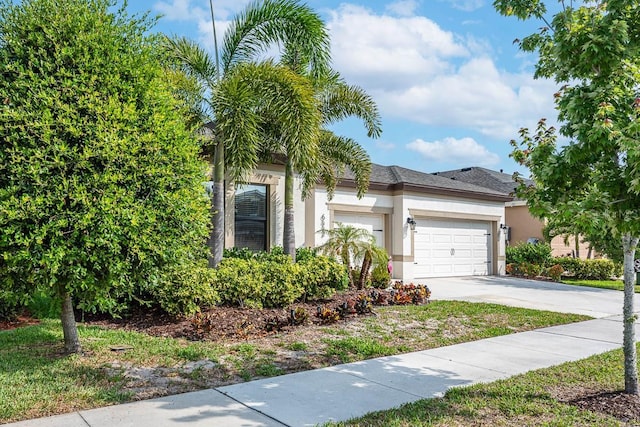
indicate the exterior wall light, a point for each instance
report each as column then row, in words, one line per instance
column 412, row 223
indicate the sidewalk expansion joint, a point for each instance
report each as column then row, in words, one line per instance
column 251, row 408
column 560, row 334
column 83, row 419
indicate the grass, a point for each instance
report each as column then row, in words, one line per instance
column 37, row 380
column 533, row 398
column 617, row 285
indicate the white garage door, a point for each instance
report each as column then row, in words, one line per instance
column 452, row 248
column 372, row 223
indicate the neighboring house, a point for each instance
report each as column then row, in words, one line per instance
column 522, row 225
column 431, row 225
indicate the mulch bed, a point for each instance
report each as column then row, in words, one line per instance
column 221, row 323
column 618, row 404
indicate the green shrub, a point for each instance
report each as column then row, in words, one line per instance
column 321, row 277
column 185, row 289
column 280, row 281
column 242, row 253
column 239, row 282
column 539, row 254
column 304, row 254
column 9, row 305
column 555, row 272
column 590, row 269
column 380, row 277
column 43, row 305
column 257, row 283
column 569, row 264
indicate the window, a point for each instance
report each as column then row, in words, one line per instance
column 251, row 217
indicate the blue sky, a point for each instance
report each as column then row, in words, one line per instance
column 451, row 86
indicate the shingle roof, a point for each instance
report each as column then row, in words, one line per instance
column 397, row 178
column 488, row 178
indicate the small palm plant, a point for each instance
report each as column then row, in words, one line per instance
column 353, row 245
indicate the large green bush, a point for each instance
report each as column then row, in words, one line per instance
column 185, row 289
column 321, row 277
column 538, row 254
column 590, row 269
column 239, row 282
column 271, row 279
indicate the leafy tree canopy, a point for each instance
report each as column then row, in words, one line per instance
column 594, row 182
column 100, row 180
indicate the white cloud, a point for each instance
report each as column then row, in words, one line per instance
column 385, row 145
column 179, row 10
column 467, row 5
column 461, row 152
column 417, row 71
column 402, row 7
column 385, row 51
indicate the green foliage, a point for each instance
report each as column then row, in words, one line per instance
column 555, row 272
column 321, row 277
column 185, row 289
column 304, row 254
column 100, row 178
column 594, row 269
column 380, row 277
column 10, row 305
column 539, row 254
column 238, row 282
column 44, row 305
column 242, row 253
column 254, row 283
column 272, row 280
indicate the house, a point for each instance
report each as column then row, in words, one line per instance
column 431, row 225
column 522, row 225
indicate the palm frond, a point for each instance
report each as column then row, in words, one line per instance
column 265, row 23
column 339, row 100
column 194, row 60
column 338, row 152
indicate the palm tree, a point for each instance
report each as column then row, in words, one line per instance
column 369, row 254
column 237, row 92
column 336, row 100
column 346, row 242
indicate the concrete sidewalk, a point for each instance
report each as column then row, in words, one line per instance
column 350, row 390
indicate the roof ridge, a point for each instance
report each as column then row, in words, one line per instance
column 396, row 176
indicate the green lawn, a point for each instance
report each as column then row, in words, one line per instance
column 617, row 285
column 37, row 380
column 528, row 399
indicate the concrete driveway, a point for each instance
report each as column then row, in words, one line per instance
column 525, row 293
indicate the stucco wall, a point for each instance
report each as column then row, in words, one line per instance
column 396, row 208
column 524, row 225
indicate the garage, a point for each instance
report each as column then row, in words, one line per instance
column 444, row 247
column 373, row 223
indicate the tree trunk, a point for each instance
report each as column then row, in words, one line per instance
column 216, row 241
column 69, row 327
column 364, row 271
column 577, row 245
column 289, row 237
column 629, row 335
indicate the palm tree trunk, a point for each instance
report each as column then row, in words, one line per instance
column 69, row 327
column 289, row 237
column 364, row 271
column 216, row 241
column 629, row 335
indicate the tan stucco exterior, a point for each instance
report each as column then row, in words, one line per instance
column 524, row 225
